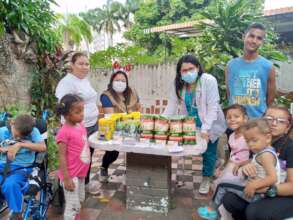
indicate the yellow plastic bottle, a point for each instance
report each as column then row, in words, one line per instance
column 105, row 129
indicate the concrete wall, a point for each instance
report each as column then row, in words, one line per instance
column 285, row 74
column 15, row 78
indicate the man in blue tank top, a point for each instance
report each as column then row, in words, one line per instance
column 250, row 79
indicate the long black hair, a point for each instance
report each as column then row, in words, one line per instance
column 179, row 83
column 127, row 92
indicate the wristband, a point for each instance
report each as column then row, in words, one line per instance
column 272, row 191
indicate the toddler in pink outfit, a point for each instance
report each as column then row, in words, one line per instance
column 236, row 117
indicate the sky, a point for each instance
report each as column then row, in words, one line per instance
column 75, row 6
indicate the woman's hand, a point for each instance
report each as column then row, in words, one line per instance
column 69, row 184
column 249, row 170
column 205, row 136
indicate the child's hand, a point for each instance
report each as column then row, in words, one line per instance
column 3, row 149
column 69, row 184
column 12, row 151
column 218, row 172
column 249, row 170
column 249, row 189
column 235, row 169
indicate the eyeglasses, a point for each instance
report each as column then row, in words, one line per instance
column 271, row 120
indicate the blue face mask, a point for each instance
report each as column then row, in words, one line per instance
column 189, row 77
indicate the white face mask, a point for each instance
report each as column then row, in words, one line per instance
column 119, row 86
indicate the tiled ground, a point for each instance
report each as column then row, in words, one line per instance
column 109, row 204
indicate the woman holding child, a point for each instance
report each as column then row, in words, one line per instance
column 196, row 94
column 279, row 205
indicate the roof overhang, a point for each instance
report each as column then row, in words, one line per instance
column 282, row 20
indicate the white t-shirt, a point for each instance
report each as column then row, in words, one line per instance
column 71, row 84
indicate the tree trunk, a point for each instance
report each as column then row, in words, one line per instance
column 110, row 39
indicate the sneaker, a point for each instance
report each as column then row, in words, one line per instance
column 93, row 187
column 207, row 213
column 3, row 206
column 103, row 175
column 204, row 187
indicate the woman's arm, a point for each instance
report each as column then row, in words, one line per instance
column 138, row 107
column 212, row 104
column 286, row 189
column 107, row 105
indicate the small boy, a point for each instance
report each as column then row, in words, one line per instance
column 17, row 154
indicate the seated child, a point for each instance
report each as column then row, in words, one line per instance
column 236, row 117
column 258, row 137
column 17, row 155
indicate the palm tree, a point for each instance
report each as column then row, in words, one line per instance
column 105, row 18
column 130, row 7
column 73, row 29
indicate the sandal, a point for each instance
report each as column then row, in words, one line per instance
column 207, row 213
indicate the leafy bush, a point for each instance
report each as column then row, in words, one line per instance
column 34, row 18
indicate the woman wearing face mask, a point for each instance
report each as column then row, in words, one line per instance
column 118, row 98
column 196, row 94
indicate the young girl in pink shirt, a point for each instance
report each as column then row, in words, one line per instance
column 236, row 117
column 74, row 154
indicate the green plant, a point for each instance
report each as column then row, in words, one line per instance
column 73, row 29
column 52, row 147
column 105, row 18
column 45, row 78
column 134, row 55
column 283, row 100
column 32, row 17
column 222, row 40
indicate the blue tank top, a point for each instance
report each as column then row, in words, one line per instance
column 247, row 82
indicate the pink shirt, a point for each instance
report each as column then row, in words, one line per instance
column 239, row 148
column 77, row 150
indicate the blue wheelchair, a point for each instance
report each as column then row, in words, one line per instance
column 38, row 192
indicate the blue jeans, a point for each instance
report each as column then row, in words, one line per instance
column 13, row 187
column 209, row 159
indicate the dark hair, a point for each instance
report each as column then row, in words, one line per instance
column 77, row 55
column 255, row 26
column 66, row 102
column 179, row 83
column 261, row 124
column 127, row 91
column 235, row 106
column 24, row 124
